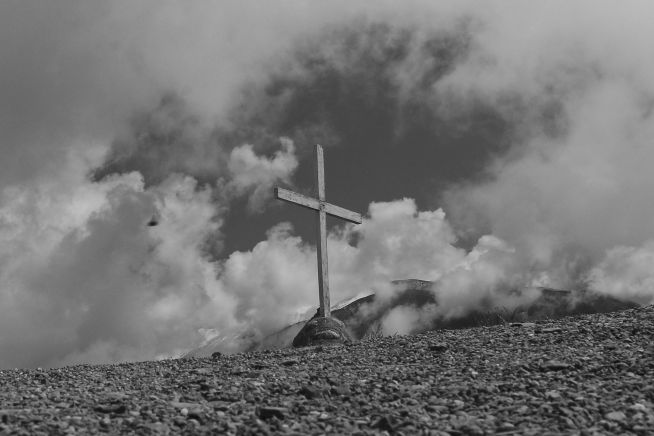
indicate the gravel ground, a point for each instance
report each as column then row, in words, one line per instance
column 590, row 374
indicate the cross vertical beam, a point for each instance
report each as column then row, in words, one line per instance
column 323, row 208
column 323, row 270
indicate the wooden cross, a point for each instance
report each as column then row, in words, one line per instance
column 323, row 208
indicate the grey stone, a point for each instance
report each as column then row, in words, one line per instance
column 616, row 416
column 554, row 365
column 438, row 347
column 310, row 392
column 270, row 412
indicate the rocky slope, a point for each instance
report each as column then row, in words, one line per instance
column 363, row 317
column 590, row 374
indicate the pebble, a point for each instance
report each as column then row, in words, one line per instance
column 550, row 330
column 268, row 412
column 615, row 416
column 638, row 407
column 554, row 365
column 438, row 347
column 310, row 392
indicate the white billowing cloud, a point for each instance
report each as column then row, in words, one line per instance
column 273, row 281
column 403, row 320
column 626, row 272
column 396, row 242
column 254, row 174
column 578, row 89
column 112, row 271
column 485, row 279
column 85, row 279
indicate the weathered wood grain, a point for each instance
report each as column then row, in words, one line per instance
column 313, row 204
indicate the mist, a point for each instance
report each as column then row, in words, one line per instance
column 492, row 147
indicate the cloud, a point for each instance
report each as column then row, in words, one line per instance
column 273, row 281
column 114, row 270
column 626, row 272
column 99, row 282
column 258, row 175
column 579, row 91
column 396, row 242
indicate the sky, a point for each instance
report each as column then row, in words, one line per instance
column 490, row 146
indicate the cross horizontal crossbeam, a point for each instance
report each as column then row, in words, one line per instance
column 312, row 203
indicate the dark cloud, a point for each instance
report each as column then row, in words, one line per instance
column 167, row 139
column 365, row 91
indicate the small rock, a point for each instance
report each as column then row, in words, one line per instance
column 438, row 347
column 196, row 414
column 384, row 423
column 158, row 427
column 472, row 429
column 506, row 426
column 267, row 412
column 290, row 362
column 310, row 392
column 219, row 405
column 550, row 330
column 216, row 355
column 184, row 405
column 615, row 416
column 114, row 396
column 554, row 365
column 340, row 390
column 523, row 324
column 435, row 408
column 260, row 365
column 110, row 408
column 553, row 395
column 638, row 407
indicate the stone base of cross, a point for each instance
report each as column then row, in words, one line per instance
column 323, row 208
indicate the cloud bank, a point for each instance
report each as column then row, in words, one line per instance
column 527, row 132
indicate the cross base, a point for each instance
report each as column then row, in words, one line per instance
column 322, row 331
